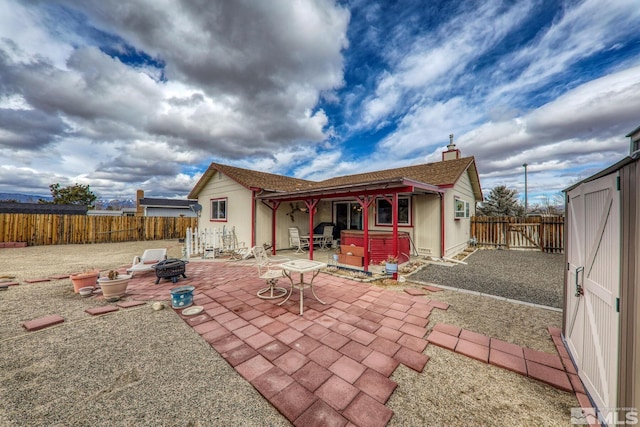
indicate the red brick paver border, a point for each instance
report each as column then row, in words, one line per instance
column 555, row 370
column 42, row 322
column 96, row 311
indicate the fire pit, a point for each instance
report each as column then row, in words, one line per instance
column 170, row 268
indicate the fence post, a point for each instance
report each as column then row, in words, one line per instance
column 187, row 243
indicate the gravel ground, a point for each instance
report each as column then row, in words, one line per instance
column 138, row 367
column 534, row 277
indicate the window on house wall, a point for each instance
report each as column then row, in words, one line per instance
column 461, row 209
column 218, row 209
column 384, row 211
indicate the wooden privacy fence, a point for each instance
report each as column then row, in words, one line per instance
column 48, row 229
column 534, row 233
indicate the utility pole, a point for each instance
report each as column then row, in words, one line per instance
column 526, row 205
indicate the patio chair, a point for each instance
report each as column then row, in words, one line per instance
column 297, row 241
column 231, row 246
column 268, row 272
column 147, row 260
column 327, row 237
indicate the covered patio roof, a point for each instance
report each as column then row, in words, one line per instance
column 382, row 186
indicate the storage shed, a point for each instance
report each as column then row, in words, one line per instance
column 602, row 284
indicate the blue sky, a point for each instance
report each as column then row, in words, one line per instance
column 146, row 93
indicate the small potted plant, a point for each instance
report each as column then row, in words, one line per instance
column 391, row 264
column 114, row 284
column 85, row 279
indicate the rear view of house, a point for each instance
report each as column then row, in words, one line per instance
column 430, row 205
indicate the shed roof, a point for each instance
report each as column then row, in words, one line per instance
column 604, row 172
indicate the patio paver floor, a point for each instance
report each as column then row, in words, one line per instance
column 331, row 365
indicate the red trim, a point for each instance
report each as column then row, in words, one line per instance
column 365, row 203
column 455, row 150
column 274, row 207
column 395, row 229
column 226, row 202
column 311, row 205
column 407, row 189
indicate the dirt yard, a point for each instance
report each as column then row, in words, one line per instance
column 140, row 367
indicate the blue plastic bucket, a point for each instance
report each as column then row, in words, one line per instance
column 182, row 296
column 391, row 268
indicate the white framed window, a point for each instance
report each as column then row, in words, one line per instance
column 384, row 211
column 219, row 209
column 461, row 209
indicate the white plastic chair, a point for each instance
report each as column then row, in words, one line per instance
column 268, row 272
column 296, row 241
column 147, row 260
column 230, row 245
column 327, row 237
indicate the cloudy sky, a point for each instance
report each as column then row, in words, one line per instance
column 144, row 94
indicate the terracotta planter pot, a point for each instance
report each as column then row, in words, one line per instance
column 114, row 287
column 83, row 280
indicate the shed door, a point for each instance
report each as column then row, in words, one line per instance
column 593, row 255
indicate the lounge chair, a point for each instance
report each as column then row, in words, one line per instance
column 326, row 239
column 298, row 241
column 147, row 260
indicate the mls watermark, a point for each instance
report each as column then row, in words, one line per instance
column 608, row 416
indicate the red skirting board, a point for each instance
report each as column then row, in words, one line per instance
column 380, row 244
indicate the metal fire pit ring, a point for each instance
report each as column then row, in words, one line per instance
column 171, row 268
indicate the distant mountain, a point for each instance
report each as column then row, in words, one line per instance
column 23, row 198
column 101, row 204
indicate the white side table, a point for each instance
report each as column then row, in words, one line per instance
column 302, row 267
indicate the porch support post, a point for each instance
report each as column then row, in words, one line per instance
column 311, row 205
column 395, row 229
column 365, row 202
column 273, row 226
column 273, row 205
column 253, row 218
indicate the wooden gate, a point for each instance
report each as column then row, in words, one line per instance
column 524, row 236
column 593, row 285
column 535, row 233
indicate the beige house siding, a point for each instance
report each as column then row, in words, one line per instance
column 426, row 221
column 457, row 231
column 238, row 201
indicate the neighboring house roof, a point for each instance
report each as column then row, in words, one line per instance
column 439, row 174
column 111, row 212
column 166, row 203
column 42, row 208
